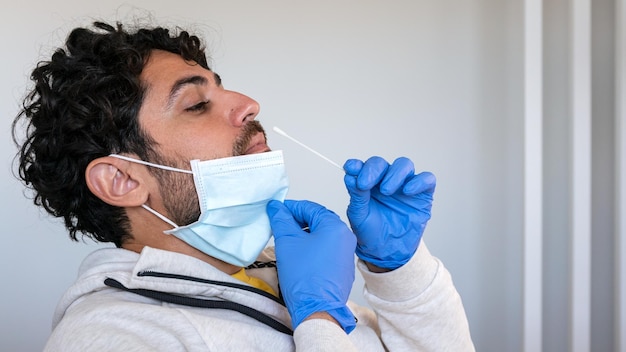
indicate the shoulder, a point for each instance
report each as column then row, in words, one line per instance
column 120, row 321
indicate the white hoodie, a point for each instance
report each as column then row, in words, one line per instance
column 417, row 309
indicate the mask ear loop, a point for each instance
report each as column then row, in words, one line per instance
column 159, row 215
column 138, row 161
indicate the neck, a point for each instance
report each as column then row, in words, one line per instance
column 147, row 232
column 187, row 250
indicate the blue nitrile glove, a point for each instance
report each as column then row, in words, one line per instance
column 316, row 269
column 388, row 210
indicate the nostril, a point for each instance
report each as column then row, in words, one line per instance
column 243, row 110
column 249, row 117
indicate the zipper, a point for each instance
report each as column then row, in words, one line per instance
column 150, row 273
column 202, row 303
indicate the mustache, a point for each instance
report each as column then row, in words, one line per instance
column 249, row 130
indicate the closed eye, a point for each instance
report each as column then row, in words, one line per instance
column 200, row 107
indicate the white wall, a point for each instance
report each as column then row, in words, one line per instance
column 438, row 81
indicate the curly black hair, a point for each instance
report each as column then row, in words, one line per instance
column 83, row 106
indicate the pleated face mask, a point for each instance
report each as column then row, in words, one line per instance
column 233, row 193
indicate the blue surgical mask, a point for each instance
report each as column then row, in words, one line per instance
column 233, row 193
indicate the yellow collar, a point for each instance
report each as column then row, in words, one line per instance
column 241, row 275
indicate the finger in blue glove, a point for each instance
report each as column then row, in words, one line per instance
column 389, row 208
column 315, row 268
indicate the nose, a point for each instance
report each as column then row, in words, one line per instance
column 243, row 109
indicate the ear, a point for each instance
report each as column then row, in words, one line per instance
column 116, row 182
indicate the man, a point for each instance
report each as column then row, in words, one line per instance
column 133, row 140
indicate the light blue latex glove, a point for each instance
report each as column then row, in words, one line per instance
column 316, row 269
column 388, row 210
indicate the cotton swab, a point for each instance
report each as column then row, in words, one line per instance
column 282, row 133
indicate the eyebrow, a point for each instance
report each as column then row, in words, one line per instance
column 190, row 80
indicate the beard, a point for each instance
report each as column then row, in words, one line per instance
column 178, row 190
column 249, row 130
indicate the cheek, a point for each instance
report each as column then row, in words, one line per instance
column 206, row 144
column 194, row 138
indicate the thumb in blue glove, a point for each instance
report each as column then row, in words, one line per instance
column 388, row 210
column 316, row 269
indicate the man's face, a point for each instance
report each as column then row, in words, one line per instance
column 189, row 115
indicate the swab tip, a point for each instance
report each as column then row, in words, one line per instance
column 278, row 130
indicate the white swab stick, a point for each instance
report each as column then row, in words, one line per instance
column 281, row 132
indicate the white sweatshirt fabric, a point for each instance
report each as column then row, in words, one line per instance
column 414, row 308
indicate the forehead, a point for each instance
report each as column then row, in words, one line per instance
column 164, row 68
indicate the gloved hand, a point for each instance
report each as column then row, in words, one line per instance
column 388, row 210
column 316, row 269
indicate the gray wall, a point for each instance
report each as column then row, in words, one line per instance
column 437, row 81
